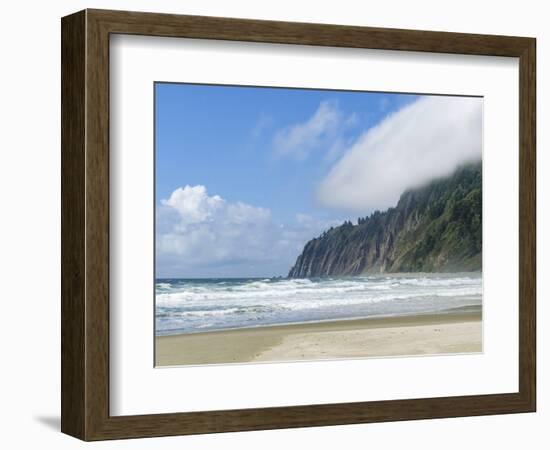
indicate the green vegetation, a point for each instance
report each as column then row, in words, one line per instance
column 434, row 228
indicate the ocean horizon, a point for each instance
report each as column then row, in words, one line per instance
column 193, row 305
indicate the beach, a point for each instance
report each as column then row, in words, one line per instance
column 458, row 331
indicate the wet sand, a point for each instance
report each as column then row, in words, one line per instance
column 450, row 332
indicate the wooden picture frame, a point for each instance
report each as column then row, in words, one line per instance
column 85, row 224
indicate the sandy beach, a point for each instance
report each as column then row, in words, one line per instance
column 453, row 332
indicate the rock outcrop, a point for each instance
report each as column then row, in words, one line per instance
column 434, row 228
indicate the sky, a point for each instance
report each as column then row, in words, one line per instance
column 245, row 176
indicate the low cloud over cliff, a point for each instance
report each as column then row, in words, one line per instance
column 422, row 141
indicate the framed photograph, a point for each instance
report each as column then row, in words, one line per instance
column 273, row 225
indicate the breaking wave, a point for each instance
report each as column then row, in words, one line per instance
column 184, row 305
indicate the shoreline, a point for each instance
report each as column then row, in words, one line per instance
column 451, row 331
column 381, row 317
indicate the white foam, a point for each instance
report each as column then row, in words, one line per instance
column 227, row 303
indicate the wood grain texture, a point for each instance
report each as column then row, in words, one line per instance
column 73, row 226
column 85, row 224
column 527, row 224
column 97, row 226
column 201, row 27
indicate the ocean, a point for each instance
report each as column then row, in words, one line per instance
column 198, row 305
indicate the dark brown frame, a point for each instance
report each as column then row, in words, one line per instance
column 85, row 224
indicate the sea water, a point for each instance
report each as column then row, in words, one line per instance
column 195, row 305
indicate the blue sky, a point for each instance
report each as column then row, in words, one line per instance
column 246, row 175
column 223, row 137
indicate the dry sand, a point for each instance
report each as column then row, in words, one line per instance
column 457, row 332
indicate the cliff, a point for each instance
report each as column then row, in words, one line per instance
column 434, row 228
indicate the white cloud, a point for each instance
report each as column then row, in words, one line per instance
column 206, row 236
column 424, row 140
column 319, row 131
column 193, row 204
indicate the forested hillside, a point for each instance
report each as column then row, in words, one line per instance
column 434, row 228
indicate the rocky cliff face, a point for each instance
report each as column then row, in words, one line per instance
column 435, row 228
